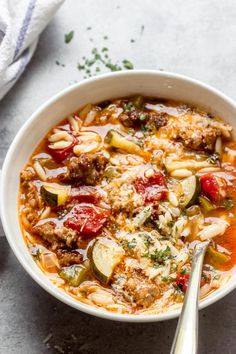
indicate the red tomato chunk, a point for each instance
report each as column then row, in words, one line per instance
column 213, row 187
column 182, row 281
column 87, row 219
column 61, row 154
column 153, row 188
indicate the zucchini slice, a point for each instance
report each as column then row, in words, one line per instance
column 190, row 191
column 73, row 275
column 119, row 141
column 216, row 258
column 55, row 195
column 105, row 255
column 205, row 204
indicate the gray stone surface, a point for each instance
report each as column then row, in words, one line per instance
column 196, row 38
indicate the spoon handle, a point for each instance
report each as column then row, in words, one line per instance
column 186, row 335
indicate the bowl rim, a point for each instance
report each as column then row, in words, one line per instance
column 50, row 287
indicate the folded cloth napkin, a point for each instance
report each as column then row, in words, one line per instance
column 21, row 22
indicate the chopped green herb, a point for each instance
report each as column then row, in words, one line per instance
column 129, row 244
column 143, row 116
column 97, row 69
column 104, row 49
column 167, row 279
column 159, row 256
column 228, row 203
column 170, row 223
column 36, row 255
column 147, row 240
column 145, row 128
column 129, row 107
column 105, row 37
column 183, row 271
column 127, row 64
column 69, row 36
column 217, row 277
column 132, row 244
column 214, row 158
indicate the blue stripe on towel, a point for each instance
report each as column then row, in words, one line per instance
column 22, row 62
column 24, row 26
column 2, row 35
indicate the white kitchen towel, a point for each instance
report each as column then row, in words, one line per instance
column 21, row 22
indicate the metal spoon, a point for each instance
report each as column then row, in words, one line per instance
column 186, row 335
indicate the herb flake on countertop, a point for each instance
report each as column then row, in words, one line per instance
column 69, row 36
column 97, row 59
column 127, row 64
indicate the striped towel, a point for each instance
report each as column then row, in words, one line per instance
column 21, row 22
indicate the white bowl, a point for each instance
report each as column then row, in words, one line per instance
column 145, row 82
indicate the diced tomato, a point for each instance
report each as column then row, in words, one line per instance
column 87, row 219
column 85, row 194
column 61, row 154
column 152, row 188
column 213, row 187
column 182, row 281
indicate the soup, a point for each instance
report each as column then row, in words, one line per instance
column 115, row 197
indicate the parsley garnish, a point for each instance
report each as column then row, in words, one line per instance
column 214, row 158
column 36, row 256
column 129, row 244
column 159, row 256
column 129, row 107
column 143, row 116
column 217, row 277
column 147, row 240
column 69, row 36
column 228, row 203
column 167, row 279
